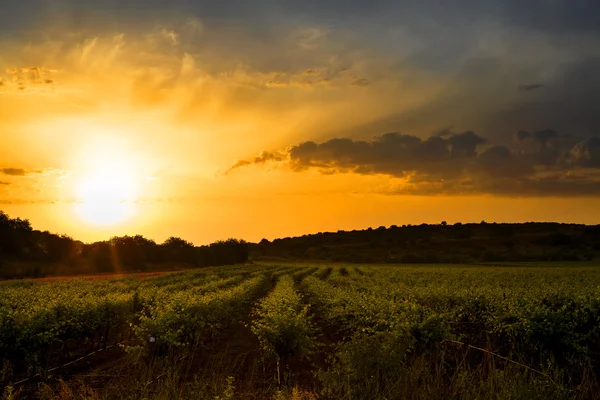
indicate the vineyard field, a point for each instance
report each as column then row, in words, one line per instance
column 307, row 331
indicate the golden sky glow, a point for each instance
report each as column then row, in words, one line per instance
column 113, row 125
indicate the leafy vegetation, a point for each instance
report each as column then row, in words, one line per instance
column 345, row 331
column 41, row 323
column 282, row 324
column 185, row 317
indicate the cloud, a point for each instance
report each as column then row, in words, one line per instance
column 27, row 79
column 170, row 35
column 360, row 82
column 522, row 135
column 24, row 202
column 307, row 78
column 544, row 136
column 13, row 171
column 283, row 71
column 262, row 158
column 310, row 38
column 527, row 88
column 392, row 153
column 522, row 187
column 464, row 145
column 456, row 163
column 4, row 183
column 19, row 171
column 587, row 153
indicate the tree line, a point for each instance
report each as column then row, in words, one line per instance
column 441, row 243
column 25, row 252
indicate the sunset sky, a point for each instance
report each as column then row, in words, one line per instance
column 250, row 119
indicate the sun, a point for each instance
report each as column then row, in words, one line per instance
column 108, row 176
column 106, row 197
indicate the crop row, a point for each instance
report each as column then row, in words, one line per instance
column 41, row 322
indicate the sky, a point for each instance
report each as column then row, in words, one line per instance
column 265, row 119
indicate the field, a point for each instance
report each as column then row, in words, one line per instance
column 307, row 331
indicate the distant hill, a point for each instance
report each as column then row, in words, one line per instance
column 443, row 243
column 29, row 253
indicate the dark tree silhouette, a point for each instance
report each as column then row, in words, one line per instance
column 51, row 253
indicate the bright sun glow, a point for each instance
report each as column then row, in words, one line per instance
column 106, row 197
column 108, row 176
column 106, row 185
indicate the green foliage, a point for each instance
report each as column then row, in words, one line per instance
column 281, row 322
column 228, row 393
column 541, row 317
column 384, row 332
column 36, row 319
column 186, row 317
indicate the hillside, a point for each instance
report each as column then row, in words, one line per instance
column 29, row 253
column 443, row 243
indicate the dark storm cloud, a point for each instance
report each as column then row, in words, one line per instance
column 522, row 135
column 555, row 16
column 464, row 145
column 568, row 103
column 551, row 16
column 394, row 154
column 464, row 163
column 499, row 66
column 482, row 95
column 545, row 135
column 509, row 187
